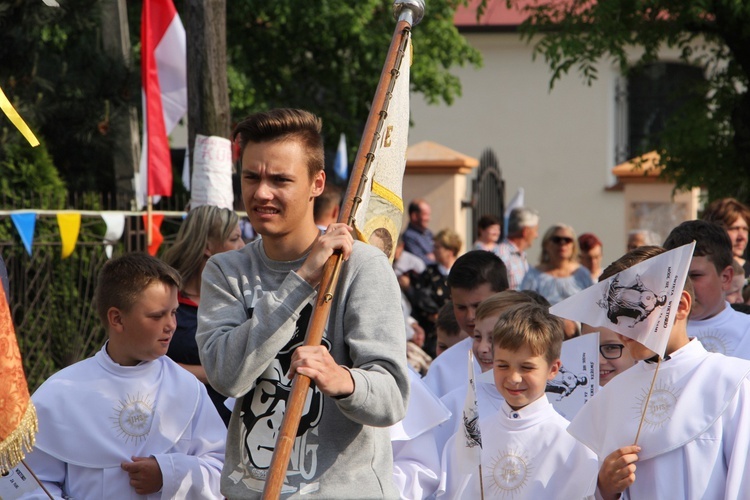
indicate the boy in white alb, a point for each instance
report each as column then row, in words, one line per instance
column 129, row 421
column 525, row 451
column 473, row 277
column 696, row 432
column 719, row 327
column 489, row 398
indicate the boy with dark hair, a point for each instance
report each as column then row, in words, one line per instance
column 255, row 308
column 145, row 425
column 525, row 450
column 447, row 329
column 693, row 441
column 719, row 327
column 473, row 277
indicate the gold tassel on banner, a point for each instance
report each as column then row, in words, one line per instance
column 18, row 422
column 21, row 440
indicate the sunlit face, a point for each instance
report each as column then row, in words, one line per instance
column 611, row 346
column 445, row 341
column 636, row 240
column 465, row 303
column 592, row 259
column 443, row 255
column 143, row 333
column 490, row 234
column 482, row 344
column 710, row 287
column 737, row 232
column 277, row 189
column 560, row 245
column 530, row 234
column 520, row 376
column 734, row 295
column 421, row 219
column 233, row 242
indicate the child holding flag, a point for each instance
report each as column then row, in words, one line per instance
column 526, row 452
column 686, row 424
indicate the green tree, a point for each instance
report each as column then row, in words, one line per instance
column 707, row 143
column 327, row 56
column 58, row 77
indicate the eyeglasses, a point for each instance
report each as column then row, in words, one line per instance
column 611, row 351
column 561, row 240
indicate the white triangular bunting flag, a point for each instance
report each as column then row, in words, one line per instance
column 639, row 302
column 115, row 227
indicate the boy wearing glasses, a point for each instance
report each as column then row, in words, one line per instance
column 695, row 433
column 613, row 357
column 718, row 327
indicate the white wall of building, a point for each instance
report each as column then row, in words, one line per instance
column 557, row 144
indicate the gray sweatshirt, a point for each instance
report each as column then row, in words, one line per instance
column 253, row 312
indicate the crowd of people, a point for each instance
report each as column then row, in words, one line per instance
column 215, row 330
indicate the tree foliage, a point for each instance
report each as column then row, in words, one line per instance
column 327, row 56
column 707, row 143
column 58, row 78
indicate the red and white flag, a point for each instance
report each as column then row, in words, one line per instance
column 164, row 80
column 639, row 302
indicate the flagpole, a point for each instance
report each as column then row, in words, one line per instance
column 408, row 13
column 149, row 220
column 36, row 479
column 648, row 398
column 481, row 483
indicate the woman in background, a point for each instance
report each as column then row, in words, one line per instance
column 207, row 230
column 559, row 274
column 590, row 255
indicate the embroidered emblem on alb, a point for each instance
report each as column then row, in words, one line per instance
column 714, row 341
column 509, row 473
column 660, row 406
column 133, row 418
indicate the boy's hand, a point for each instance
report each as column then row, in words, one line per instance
column 617, row 472
column 145, row 474
column 338, row 236
column 317, row 363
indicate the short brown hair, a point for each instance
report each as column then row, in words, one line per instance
column 529, row 325
column 726, row 211
column 284, row 124
column 446, row 320
column 122, row 281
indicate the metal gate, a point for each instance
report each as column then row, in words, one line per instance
column 488, row 191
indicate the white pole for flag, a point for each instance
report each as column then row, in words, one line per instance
column 409, row 13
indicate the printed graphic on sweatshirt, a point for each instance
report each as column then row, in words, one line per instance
column 263, row 409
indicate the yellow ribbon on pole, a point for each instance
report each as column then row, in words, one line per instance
column 16, row 119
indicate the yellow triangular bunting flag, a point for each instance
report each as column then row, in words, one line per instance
column 70, row 225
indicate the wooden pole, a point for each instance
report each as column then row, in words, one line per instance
column 645, row 403
column 327, row 288
column 149, row 220
column 36, row 479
